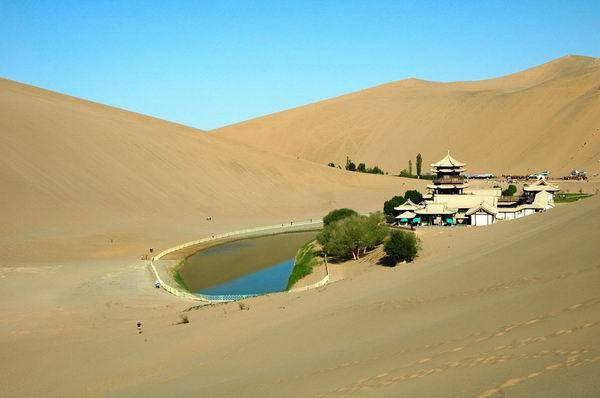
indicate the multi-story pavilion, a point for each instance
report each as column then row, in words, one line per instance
column 449, row 180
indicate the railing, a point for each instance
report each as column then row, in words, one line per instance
column 451, row 180
column 216, row 239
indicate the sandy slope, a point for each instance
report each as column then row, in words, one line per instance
column 75, row 175
column 506, row 310
column 547, row 117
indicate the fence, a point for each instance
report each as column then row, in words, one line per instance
column 266, row 230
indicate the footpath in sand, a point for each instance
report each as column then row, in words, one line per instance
column 509, row 309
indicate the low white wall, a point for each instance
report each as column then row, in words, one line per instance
column 320, row 283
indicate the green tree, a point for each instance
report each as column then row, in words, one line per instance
column 510, row 191
column 388, row 207
column 352, row 235
column 401, row 246
column 333, row 241
column 419, row 164
column 362, row 168
column 409, row 167
column 375, row 230
column 337, row 214
column 414, row 195
column 350, row 166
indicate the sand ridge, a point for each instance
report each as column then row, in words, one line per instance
column 547, row 117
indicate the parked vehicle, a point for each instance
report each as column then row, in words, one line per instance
column 540, row 175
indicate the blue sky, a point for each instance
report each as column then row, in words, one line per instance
column 213, row 63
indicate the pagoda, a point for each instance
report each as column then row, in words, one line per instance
column 449, row 180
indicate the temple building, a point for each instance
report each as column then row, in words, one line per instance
column 451, row 201
column 449, row 180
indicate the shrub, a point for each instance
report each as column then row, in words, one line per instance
column 183, row 319
column 401, row 246
column 331, row 164
column 414, row 195
column 336, row 215
column 375, row 170
column 362, row 168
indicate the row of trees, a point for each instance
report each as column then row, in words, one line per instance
column 347, row 233
column 419, row 168
column 361, row 168
column 419, row 164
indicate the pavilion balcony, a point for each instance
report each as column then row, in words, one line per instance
column 449, row 180
column 510, row 198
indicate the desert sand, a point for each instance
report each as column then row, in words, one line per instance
column 73, row 171
column 505, row 310
column 547, row 117
column 508, row 309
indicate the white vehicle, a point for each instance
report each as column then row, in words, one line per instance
column 540, row 175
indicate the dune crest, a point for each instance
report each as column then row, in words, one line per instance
column 546, row 117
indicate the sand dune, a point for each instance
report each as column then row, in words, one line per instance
column 547, row 117
column 75, row 174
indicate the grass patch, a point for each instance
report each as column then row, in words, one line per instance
column 178, row 278
column 570, row 197
column 305, row 260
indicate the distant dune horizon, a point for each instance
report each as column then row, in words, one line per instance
column 546, row 117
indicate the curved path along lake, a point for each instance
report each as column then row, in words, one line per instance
column 247, row 266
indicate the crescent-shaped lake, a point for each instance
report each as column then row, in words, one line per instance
column 249, row 266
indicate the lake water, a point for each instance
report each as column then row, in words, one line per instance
column 248, row 266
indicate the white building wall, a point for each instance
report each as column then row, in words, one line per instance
column 519, row 214
column 509, row 215
column 482, row 219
